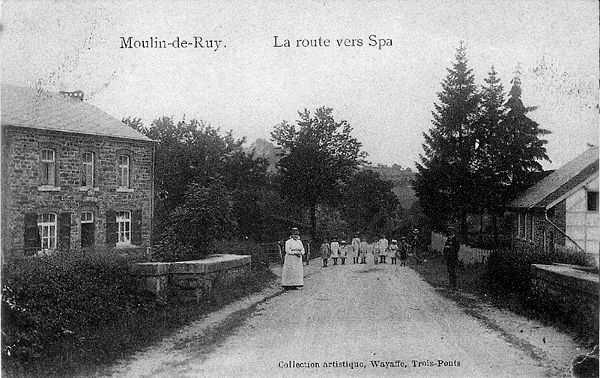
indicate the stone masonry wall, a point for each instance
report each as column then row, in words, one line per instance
column 21, row 182
column 573, row 291
column 190, row 280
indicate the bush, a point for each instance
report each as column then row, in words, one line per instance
column 260, row 255
column 487, row 241
column 188, row 232
column 62, row 297
column 68, row 313
column 509, row 271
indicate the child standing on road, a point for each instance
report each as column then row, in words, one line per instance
column 393, row 248
column 335, row 250
column 403, row 251
column 325, row 252
column 343, row 251
column 382, row 246
column 355, row 249
column 362, row 251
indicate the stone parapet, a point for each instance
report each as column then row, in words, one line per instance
column 573, row 289
column 190, row 279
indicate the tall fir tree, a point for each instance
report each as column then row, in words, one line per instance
column 492, row 178
column 523, row 145
column 445, row 181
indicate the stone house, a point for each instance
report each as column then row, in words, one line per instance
column 73, row 177
column 562, row 208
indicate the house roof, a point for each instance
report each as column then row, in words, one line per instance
column 551, row 189
column 39, row 109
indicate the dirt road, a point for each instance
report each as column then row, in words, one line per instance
column 351, row 320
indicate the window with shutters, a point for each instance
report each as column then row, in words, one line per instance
column 87, row 229
column 48, row 171
column 87, row 171
column 47, row 227
column 123, row 227
column 124, row 168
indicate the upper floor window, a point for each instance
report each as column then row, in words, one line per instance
column 47, row 227
column 592, row 201
column 87, row 174
column 123, row 227
column 48, row 167
column 123, row 178
column 87, row 217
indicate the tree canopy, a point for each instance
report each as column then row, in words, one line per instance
column 203, row 176
column 481, row 150
column 444, row 183
column 524, row 146
column 369, row 203
column 319, row 155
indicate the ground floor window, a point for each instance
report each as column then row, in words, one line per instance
column 47, row 227
column 124, row 227
column 87, row 229
column 520, row 225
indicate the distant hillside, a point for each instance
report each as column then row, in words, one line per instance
column 264, row 149
column 402, row 179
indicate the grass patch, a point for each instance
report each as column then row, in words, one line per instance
column 469, row 278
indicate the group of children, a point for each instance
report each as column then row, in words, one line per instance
column 358, row 251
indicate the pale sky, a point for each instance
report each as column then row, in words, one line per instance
column 249, row 85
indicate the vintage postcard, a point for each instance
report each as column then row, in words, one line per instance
column 300, row 188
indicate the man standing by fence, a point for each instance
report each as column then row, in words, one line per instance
column 451, row 256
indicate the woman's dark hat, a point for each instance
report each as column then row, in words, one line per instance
column 295, row 231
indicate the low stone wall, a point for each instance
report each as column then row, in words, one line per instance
column 190, row 279
column 573, row 289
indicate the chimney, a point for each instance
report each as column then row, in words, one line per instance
column 76, row 94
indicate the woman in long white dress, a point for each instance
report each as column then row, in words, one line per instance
column 292, row 276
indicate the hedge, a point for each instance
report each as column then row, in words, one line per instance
column 68, row 313
column 508, row 271
column 63, row 297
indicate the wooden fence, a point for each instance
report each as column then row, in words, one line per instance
column 466, row 254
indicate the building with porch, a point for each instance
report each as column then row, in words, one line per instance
column 73, row 177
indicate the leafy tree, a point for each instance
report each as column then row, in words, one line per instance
column 320, row 155
column 206, row 214
column 330, row 222
column 445, row 181
column 369, row 202
column 246, row 178
column 193, row 154
column 136, row 124
column 523, row 146
column 189, row 152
